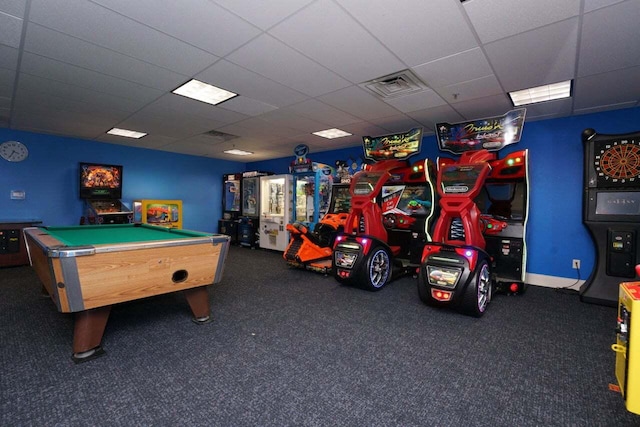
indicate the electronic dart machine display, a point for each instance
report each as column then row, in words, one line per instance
column 611, row 211
column 101, row 188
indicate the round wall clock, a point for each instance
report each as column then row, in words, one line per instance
column 13, row 151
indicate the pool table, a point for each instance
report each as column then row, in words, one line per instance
column 86, row 269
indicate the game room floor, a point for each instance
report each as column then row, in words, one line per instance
column 292, row 347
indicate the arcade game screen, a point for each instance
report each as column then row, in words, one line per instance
column 412, row 200
column 503, row 200
column 100, row 181
column 341, row 199
column 460, row 179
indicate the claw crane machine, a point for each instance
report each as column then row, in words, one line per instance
column 249, row 222
column 312, row 188
column 231, row 195
column 276, row 201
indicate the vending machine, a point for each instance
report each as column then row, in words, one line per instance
column 231, row 195
column 249, row 221
column 276, row 201
column 627, row 346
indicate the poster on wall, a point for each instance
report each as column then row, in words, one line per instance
column 394, row 146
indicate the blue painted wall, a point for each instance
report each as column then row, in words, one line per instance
column 49, row 177
column 556, row 234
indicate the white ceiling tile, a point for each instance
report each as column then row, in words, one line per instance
column 61, row 47
column 9, row 57
column 322, row 112
column 360, row 103
column 622, row 86
column 346, row 47
column 497, row 19
column 208, row 26
column 429, row 117
column 417, row 31
column 232, row 77
column 102, row 27
column 247, row 106
column 7, row 79
column 416, row 101
column 263, row 14
column 542, row 56
column 603, row 48
column 294, row 121
column 13, row 7
column 399, row 123
column 287, row 66
column 617, row 106
column 5, row 102
column 556, row 108
column 70, row 74
column 590, row 5
column 461, row 67
column 10, row 30
column 465, row 91
column 180, row 105
column 148, row 141
column 489, row 106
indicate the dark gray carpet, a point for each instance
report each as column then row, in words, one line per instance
column 291, row 347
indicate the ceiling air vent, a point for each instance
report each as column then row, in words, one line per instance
column 395, row 85
column 219, row 137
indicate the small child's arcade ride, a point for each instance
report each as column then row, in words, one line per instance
column 165, row 213
column 611, row 211
column 392, row 202
column 312, row 249
column 479, row 237
column 101, row 189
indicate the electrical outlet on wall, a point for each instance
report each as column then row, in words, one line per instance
column 575, row 264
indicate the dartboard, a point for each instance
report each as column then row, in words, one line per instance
column 618, row 162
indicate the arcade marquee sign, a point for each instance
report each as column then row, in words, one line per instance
column 492, row 133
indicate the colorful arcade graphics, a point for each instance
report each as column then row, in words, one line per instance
column 276, row 201
column 627, row 346
column 165, row 213
column 611, row 211
column 479, row 237
column 101, row 189
column 231, row 195
column 392, row 203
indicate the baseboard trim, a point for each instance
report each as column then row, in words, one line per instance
column 552, row 281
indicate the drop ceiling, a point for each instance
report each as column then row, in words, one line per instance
column 77, row 68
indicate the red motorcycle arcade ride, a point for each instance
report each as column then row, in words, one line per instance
column 391, row 213
column 478, row 239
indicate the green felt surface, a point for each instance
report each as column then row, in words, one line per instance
column 117, row 233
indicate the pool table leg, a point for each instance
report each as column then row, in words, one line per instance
column 198, row 299
column 87, row 333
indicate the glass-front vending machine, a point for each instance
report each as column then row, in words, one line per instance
column 276, row 202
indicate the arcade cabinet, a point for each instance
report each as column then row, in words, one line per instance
column 473, row 250
column 165, row 213
column 276, row 204
column 312, row 188
column 611, row 211
column 627, row 346
column 231, row 194
column 392, row 202
column 249, row 222
column 101, row 189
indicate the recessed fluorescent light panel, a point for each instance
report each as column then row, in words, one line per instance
column 238, row 152
column 126, row 133
column 541, row 93
column 201, row 91
column 332, row 133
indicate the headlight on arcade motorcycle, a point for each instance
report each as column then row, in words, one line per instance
column 443, row 276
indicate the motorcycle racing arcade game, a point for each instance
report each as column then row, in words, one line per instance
column 391, row 212
column 472, row 249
